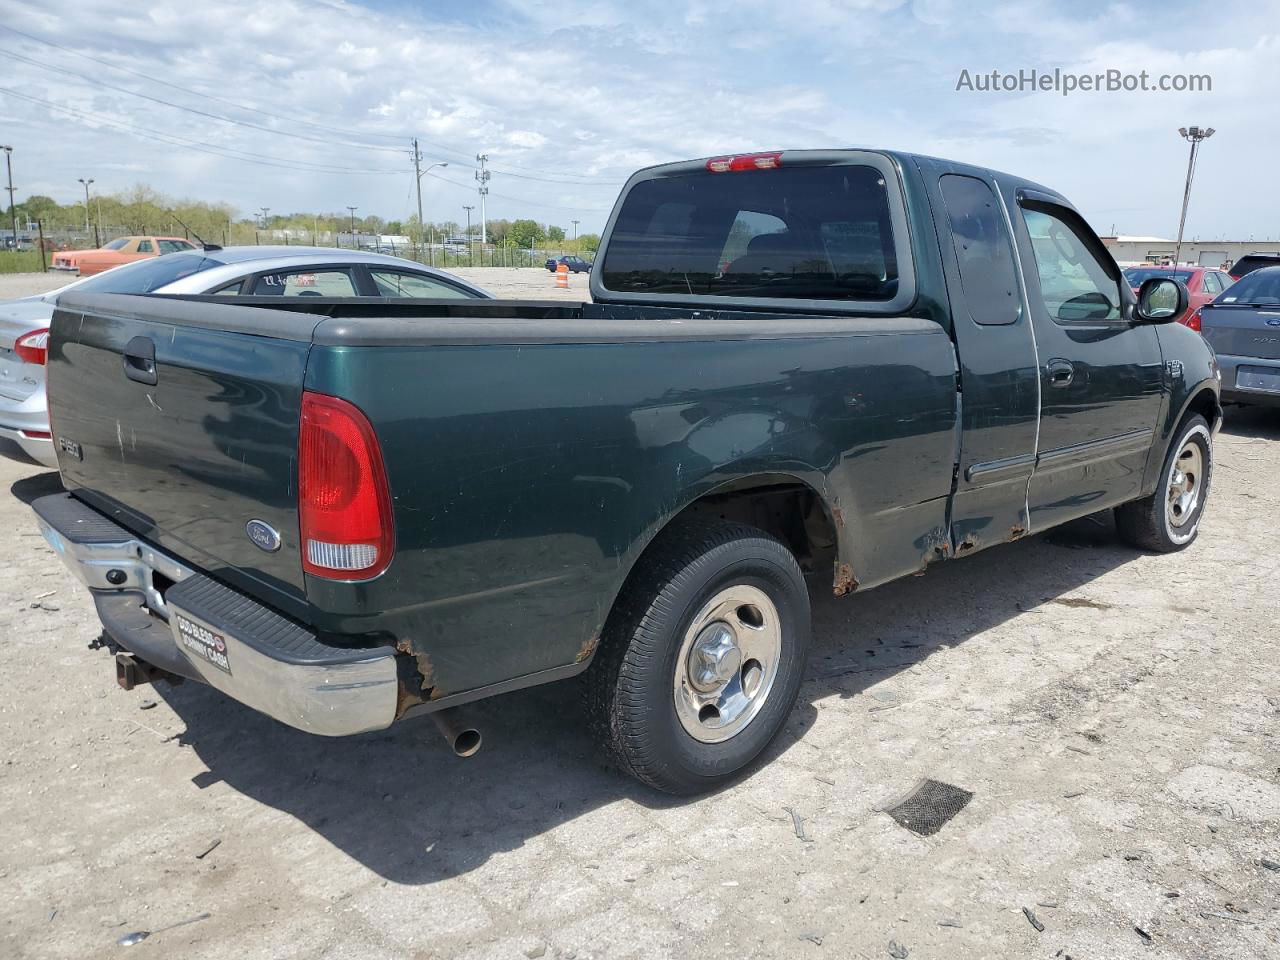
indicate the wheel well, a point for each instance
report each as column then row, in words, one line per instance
column 1205, row 404
column 786, row 508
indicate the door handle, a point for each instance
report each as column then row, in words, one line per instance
column 1060, row 372
column 140, row 360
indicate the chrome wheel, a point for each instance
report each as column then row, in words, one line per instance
column 1186, row 480
column 727, row 663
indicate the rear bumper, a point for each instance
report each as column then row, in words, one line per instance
column 180, row 620
column 1236, row 389
column 25, row 421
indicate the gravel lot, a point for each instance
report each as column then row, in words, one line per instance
column 1114, row 714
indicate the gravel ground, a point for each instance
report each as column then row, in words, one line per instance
column 1115, row 716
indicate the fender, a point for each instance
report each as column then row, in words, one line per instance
column 1181, row 401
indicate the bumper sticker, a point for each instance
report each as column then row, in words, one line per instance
column 201, row 642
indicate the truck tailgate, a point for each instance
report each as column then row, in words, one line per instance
column 185, row 449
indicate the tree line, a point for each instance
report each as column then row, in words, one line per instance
column 142, row 210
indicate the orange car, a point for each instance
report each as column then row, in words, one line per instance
column 124, row 250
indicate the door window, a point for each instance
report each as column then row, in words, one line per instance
column 304, row 283
column 1209, row 280
column 393, row 283
column 1074, row 284
column 983, row 251
column 144, row 246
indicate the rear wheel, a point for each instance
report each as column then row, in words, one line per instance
column 702, row 658
column 1169, row 519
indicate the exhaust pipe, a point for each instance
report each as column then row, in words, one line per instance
column 463, row 740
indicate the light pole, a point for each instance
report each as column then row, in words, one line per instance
column 575, row 231
column 13, row 209
column 417, row 182
column 86, row 183
column 470, row 249
column 354, row 245
column 1194, row 135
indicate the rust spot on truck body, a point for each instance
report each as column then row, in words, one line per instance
column 846, row 582
column 416, row 684
column 838, row 515
column 587, row 649
column 1016, row 532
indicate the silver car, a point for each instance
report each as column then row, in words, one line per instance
column 234, row 271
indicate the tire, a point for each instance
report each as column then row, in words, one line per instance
column 1167, row 520
column 693, row 584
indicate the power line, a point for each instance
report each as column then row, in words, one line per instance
column 227, row 153
column 196, row 93
column 532, row 203
column 529, row 174
column 201, row 113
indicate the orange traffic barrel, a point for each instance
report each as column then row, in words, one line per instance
column 562, row 276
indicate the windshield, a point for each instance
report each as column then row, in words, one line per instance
column 798, row 233
column 146, row 276
column 1137, row 276
column 1260, row 287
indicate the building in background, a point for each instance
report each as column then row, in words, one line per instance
column 1129, row 250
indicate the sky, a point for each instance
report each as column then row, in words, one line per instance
column 302, row 106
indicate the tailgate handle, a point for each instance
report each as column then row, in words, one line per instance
column 140, row 360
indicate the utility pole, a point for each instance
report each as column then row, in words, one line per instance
column 470, row 248
column 482, row 177
column 13, row 209
column 86, row 203
column 354, row 245
column 264, row 216
column 575, row 230
column 418, row 173
column 1194, row 135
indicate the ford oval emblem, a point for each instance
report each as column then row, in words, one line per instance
column 263, row 535
column 1273, row 323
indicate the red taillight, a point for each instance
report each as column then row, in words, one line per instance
column 1193, row 321
column 33, row 347
column 344, row 506
column 745, row 161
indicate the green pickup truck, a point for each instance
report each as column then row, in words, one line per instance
column 849, row 364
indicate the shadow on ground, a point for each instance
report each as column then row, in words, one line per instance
column 402, row 805
column 1260, row 422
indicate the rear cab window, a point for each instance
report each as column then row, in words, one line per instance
column 817, row 232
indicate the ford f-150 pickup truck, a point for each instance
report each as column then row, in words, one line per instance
column 848, row 363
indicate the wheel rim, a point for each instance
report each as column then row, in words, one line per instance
column 727, row 663
column 1186, row 481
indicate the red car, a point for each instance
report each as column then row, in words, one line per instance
column 1203, row 286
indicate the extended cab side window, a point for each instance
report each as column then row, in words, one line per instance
column 983, row 251
column 1074, row 284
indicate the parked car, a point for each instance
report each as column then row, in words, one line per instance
column 1202, row 283
column 1253, row 261
column 344, row 519
column 575, row 264
column 85, row 263
column 1243, row 327
column 256, row 271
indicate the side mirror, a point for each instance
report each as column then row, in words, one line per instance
column 1161, row 300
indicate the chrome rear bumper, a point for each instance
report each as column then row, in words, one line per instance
column 182, row 621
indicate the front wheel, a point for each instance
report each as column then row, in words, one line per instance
column 702, row 657
column 1169, row 519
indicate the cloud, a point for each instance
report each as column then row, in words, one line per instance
column 588, row 90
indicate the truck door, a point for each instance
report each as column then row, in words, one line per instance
column 1101, row 376
column 999, row 386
